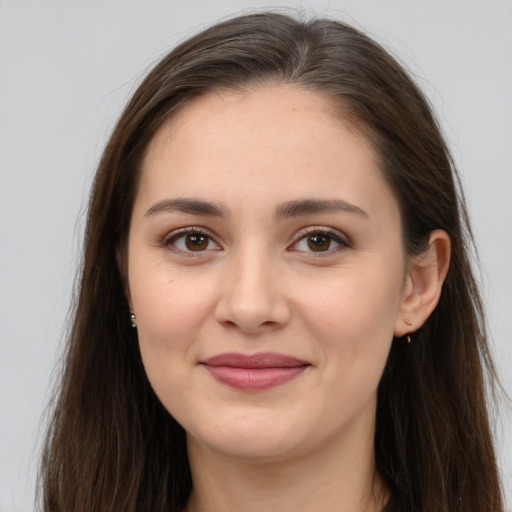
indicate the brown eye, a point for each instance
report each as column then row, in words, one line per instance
column 319, row 242
column 190, row 241
column 196, row 242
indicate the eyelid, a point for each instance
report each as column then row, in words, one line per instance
column 176, row 234
column 337, row 236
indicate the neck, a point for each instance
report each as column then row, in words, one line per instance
column 339, row 476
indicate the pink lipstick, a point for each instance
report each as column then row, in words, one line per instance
column 255, row 372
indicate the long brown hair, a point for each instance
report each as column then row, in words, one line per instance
column 112, row 446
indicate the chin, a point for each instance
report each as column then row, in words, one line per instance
column 248, row 438
column 250, row 449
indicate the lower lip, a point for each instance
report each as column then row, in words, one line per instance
column 254, row 379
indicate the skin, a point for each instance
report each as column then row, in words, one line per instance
column 256, row 285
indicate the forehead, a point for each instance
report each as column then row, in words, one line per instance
column 265, row 104
column 272, row 142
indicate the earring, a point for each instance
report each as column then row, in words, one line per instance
column 133, row 320
column 409, row 323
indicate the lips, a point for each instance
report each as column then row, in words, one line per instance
column 255, row 372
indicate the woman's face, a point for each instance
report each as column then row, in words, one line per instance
column 266, row 272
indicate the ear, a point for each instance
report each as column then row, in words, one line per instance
column 423, row 284
column 124, row 276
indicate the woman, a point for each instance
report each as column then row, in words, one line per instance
column 276, row 308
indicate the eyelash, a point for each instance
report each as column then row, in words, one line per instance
column 334, row 236
column 170, row 240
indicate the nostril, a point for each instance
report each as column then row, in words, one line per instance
column 250, row 327
column 228, row 323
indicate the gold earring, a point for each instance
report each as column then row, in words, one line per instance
column 409, row 323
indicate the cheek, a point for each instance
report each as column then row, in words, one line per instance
column 171, row 312
column 357, row 305
column 352, row 318
column 169, row 303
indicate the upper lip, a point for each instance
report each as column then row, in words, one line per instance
column 260, row 360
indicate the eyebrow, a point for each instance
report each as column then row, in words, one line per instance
column 283, row 211
column 187, row 205
column 311, row 206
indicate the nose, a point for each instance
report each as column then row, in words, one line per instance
column 251, row 296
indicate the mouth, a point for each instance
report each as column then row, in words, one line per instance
column 256, row 372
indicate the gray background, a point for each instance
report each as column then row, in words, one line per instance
column 66, row 69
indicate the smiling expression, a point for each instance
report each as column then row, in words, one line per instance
column 266, row 271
